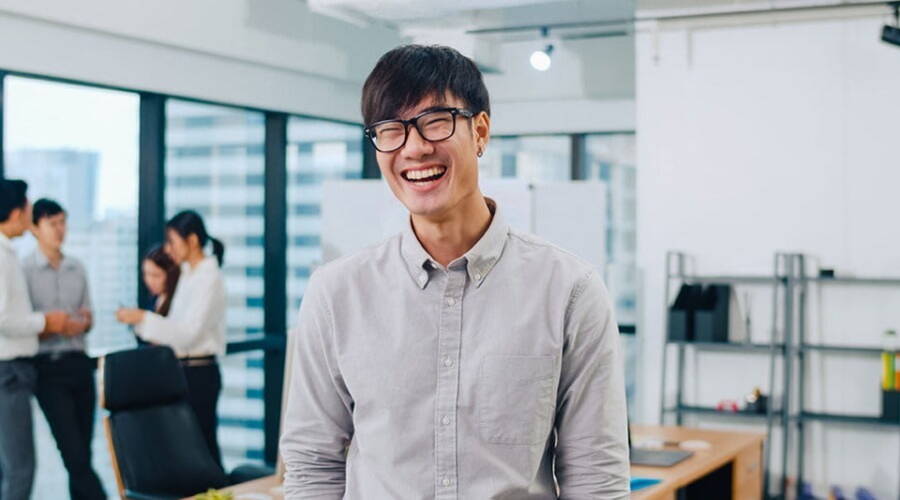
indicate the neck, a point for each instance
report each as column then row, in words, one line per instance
column 54, row 255
column 449, row 238
column 8, row 230
column 195, row 258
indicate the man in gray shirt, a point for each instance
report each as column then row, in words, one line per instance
column 65, row 384
column 460, row 359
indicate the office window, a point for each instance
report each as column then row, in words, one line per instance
column 609, row 158
column 215, row 165
column 79, row 146
column 317, row 150
column 530, row 158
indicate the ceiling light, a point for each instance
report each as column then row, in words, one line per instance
column 540, row 59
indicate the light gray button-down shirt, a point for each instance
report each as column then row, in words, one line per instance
column 64, row 289
column 412, row 381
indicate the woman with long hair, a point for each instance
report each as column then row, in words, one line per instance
column 195, row 324
column 160, row 275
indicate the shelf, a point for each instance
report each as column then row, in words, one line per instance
column 730, row 346
column 856, row 281
column 841, row 349
column 848, row 419
column 708, row 410
column 736, row 279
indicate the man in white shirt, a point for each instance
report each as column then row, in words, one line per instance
column 19, row 330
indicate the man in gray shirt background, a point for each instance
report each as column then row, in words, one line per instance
column 460, row 359
column 65, row 390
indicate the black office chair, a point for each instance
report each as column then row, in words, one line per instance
column 157, row 447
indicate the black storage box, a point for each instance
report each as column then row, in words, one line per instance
column 711, row 317
column 681, row 313
column 890, row 405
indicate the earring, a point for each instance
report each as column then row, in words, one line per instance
column 480, row 152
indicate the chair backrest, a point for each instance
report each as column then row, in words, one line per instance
column 154, row 437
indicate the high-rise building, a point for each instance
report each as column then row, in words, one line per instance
column 68, row 176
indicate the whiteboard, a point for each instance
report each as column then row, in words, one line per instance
column 571, row 215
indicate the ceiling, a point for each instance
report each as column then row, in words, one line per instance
column 467, row 15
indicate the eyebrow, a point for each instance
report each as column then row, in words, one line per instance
column 433, row 107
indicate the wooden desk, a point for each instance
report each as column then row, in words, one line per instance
column 742, row 450
column 267, row 488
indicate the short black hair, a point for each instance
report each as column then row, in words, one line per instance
column 45, row 208
column 409, row 73
column 12, row 196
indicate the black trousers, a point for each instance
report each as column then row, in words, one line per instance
column 68, row 396
column 204, row 386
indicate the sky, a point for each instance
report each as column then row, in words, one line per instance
column 49, row 115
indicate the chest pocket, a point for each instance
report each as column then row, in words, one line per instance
column 516, row 399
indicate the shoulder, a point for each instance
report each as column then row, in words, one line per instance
column 565, row 269
column 363, row 264
column 535, row 250
column 75, row 263
column 29, row 261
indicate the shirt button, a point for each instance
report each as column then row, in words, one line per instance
column 477, row 276
column 451, row 301
column 448, row 362
column 422, row 279
column 445, row 482
column 445, row 420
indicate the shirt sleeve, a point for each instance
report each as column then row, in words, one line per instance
column 318, row 424
column 591, row 423
column 182, row 331
column 16, row 323
column 86, row 293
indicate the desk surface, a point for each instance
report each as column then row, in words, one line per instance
column 725, row 446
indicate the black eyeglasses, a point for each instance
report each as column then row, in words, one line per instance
column 434, row 125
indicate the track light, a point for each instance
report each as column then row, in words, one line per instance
column 540, row 59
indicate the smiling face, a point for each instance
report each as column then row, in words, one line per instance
column 431, row 179
column 50, row 231
column 178, row 248
column 154, row 277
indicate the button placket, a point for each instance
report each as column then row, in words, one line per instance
column 448, row 386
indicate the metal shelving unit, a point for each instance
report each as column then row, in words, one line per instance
column 847, row 419
column 802, row 281
column 782, row 282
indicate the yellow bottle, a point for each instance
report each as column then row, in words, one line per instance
column 888, row 359
column 897, row 372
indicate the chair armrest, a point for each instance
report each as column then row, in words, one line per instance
column 136, row 495
column 247, row 472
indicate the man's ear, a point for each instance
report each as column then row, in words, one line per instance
column 481, row 125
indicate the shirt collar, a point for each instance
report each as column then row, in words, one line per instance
column 480, row 259
column 6, row 243
column 41, row 260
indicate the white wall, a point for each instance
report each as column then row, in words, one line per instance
column 766, row 137
column 270, row 54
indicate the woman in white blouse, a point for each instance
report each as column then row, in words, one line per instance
column 195, row 325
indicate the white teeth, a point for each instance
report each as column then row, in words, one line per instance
column 428, row 172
